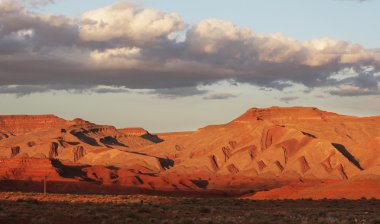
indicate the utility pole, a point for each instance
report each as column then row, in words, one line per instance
column 45, row 180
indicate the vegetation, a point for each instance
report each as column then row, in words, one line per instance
column 61, row 208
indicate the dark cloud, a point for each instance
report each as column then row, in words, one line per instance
column 141, row 51
column 287, row 99
column 172, row 93
column 109, row 89
column 34, row 34
column 365, row 83
column 23, row 90
column 219, row 96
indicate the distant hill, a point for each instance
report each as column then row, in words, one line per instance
column 295, row 152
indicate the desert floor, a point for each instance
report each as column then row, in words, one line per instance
column 60, row 208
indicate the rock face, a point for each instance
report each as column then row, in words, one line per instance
column 78, row 152
column 134, row 131
column 52, row 137
column 140, row 132
column 53, row 150
column 3, row 135
column 28, row 169
column 22, row 124
column 290, row 114
column 273, row 152
column 15, row 151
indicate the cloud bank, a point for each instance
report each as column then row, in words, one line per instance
column 128, row 46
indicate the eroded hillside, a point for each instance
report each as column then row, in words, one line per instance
column 265, row 153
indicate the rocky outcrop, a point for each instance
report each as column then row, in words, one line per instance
column 22, row 124
column 27, row 169
column 288, row 114
column 3, row 135
column 140, row 132
column 53, row 152
column 214, row 163
column 78, row 153
column 15, row 151
column 134, row 131
column 31, row 143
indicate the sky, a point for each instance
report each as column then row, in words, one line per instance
column 169, row 65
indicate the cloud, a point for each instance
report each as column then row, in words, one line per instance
column 35, row 34
column 129, row 23
column 37, row 3
column 219, row 96
column 24, row 90
column 351, row 90
column 365, row 83
column 173, row 93
column 287, row 99
column 108, row 89
column 130, row 47
column 28, row 3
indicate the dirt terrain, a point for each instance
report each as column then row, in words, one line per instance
column 55, row 208
column 267, row 153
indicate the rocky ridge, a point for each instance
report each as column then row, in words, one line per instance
column 261, row 154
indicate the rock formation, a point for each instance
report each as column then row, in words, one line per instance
column 53, row 150
column 265, row 153
column 15, row 151
column 22, row 124
column 78, row 152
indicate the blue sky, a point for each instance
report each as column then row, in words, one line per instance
column 169, row 65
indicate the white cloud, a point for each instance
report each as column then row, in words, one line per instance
column 223, row 40
column 130, row 22
column 114, row 57
column 214, row 36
